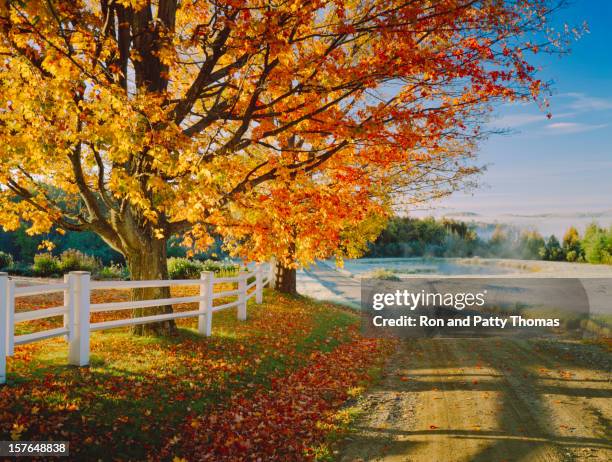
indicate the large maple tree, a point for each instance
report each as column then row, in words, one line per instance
column 156, row 117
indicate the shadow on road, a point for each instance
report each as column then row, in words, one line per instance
column 488, row 400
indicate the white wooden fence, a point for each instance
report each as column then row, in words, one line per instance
column 77, row 308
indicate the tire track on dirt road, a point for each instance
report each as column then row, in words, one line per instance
column 478, row 400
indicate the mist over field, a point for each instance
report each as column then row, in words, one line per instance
column 545, row 223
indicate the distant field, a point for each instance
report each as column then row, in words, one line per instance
column 475, row 265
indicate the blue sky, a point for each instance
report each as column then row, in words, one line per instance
column 562, row 167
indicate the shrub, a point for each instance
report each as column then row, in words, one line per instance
column 21, row 269
column 385, row 275
column 226, row 268
column 46, row 264
column 113, row 271
column 183, row 268
column 6, row 260
column 75, row 260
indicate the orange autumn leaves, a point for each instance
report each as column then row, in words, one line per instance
column 304, row 221
column 256, row 382
column 157, row 118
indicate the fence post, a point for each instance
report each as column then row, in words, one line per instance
column 259, row 283
column 4, row 283
column 10, row 318
column 69, row 304
column 242, row 300
column 272, row 274
column 78, row 350
column 206, row 292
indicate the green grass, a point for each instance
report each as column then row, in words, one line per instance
column 325, row 324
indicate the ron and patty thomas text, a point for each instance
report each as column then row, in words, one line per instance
column 458, row 301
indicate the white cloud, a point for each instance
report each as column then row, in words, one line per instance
column 584, row 103
column 573, row 104
column 518, row 120
column 572, row 127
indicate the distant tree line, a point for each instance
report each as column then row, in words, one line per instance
column 53, row 254
column 24, row 247
column 418, row 237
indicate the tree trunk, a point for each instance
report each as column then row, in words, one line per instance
column 286, row 279
column 149, row 262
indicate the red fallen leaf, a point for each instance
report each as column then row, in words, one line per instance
column 432, row 427
column 475, row 382
column 404, row 379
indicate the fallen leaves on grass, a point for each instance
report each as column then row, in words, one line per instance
column 283, row 420
column 263, row 386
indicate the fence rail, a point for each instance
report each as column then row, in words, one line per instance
column 77, row 307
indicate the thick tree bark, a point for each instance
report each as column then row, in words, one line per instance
column 145, row 263
column 286, row 279
column 285, row 276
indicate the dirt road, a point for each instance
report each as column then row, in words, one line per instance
column 446, row 400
